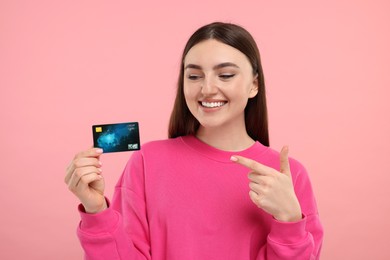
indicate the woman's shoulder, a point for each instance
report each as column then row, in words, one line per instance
column 156, row 150
column 161, row 143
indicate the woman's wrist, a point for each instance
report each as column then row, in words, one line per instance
column 294, row 217
column 291, row 215
column 96, row 210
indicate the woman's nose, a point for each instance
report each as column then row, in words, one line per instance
column 209, row 87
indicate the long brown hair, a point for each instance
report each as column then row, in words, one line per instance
column 182, row 122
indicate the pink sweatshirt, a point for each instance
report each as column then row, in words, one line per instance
column 181, row 199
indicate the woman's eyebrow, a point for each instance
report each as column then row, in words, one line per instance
column 218, row 66
column 192, row 66
column 225, row 64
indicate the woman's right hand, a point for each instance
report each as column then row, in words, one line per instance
column 84, row 179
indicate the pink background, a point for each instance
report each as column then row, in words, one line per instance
column 65, row 65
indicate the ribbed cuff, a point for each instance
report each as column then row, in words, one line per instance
column 104, row 221
column 288, row 232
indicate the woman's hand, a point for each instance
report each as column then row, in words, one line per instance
column 84, row 179
column 271, row 190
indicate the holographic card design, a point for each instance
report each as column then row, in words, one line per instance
column 116, row 137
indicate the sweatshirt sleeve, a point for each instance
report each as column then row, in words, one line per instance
column 301, row 239
column 121, row 231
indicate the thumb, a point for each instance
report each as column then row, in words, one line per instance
column 284, row 163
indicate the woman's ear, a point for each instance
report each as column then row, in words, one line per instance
column 255, row 87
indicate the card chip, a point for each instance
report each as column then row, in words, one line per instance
column 98, row 129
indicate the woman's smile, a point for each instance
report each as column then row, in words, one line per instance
column 212, row 104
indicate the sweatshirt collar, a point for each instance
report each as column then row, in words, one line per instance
column 221, row 155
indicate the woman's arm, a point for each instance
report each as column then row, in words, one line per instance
column 121, row 231
column 287, row 195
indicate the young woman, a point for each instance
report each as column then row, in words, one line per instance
column 214, row 189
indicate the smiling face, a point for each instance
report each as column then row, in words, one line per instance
column 218, row 81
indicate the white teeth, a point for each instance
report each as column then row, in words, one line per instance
column 213, row 104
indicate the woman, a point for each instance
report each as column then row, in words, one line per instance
column 190, row 196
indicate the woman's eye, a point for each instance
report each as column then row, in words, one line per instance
column 226, row 76
column 193, row 77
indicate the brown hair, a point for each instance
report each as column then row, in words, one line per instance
column 182, row 122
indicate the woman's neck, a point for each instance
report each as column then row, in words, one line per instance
column 234, row 139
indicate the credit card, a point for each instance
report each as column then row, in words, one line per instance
column 120, row 137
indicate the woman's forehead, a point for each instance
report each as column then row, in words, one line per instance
column 212, row 52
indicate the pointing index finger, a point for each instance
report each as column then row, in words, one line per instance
column 252, row 164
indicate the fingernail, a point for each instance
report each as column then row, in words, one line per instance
column 99, row 150
column 100, row 163
column 234, row 159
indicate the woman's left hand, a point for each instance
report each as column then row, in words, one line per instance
column 271, row 190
